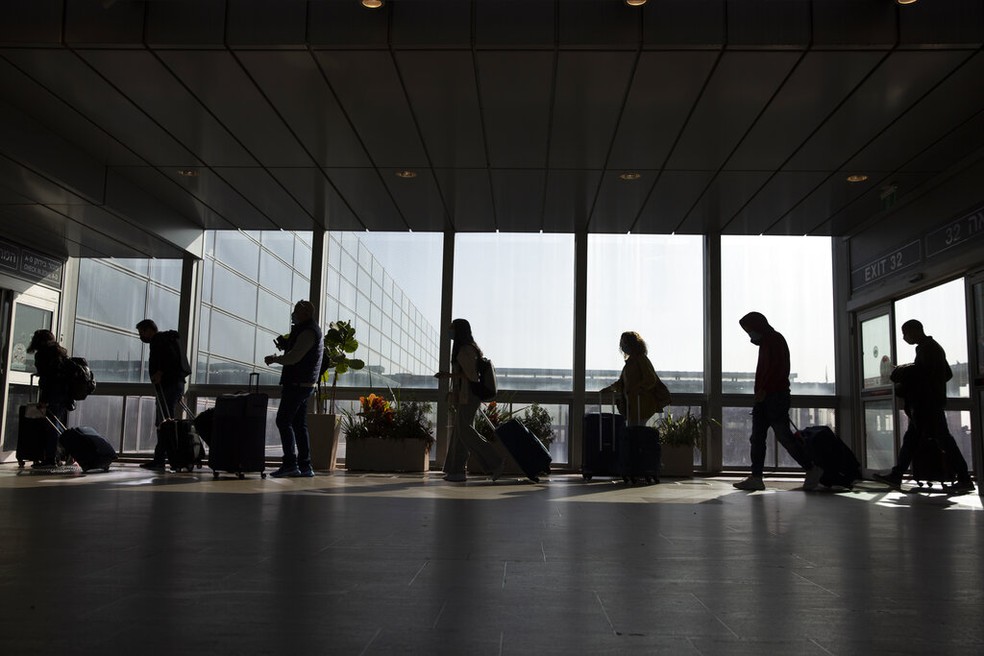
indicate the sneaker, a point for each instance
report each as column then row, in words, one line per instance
column 812, row 479
column 751, row 484
column 153, row 465
column 305, row 473
column 455, row 478
column 287, row 472
column 892, row 479
column 961, row 487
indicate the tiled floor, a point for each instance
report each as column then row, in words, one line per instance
column 130, row 562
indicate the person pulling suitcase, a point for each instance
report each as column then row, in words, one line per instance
column 168, row 366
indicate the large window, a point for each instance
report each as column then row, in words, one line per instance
column 653, row 285
column 389, row 286
column 113, row 295
column 250, row 282
column 789, row 280
column 942, row 311
column 517, row 291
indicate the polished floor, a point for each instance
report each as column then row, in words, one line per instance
column 133, row 562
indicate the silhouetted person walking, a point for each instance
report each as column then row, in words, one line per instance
column 925, row 405
column 54, row 395
column 168, row 367
column 638, row 383
column 771, row 409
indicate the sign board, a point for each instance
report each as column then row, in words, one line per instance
column 30, row 265
column 890, row 263
column 956, row 232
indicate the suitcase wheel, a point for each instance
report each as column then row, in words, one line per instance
column 586, row 477
column 242, row 476
column 215, row 474
column 106, row 468
column 20, row 464
column 262, row 474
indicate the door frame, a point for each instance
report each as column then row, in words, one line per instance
column 882, row 393
column 975, row 375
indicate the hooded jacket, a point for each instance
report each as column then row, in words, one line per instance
column 772, row 369
column 167, row 357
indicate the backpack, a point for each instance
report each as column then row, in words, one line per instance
column 79, row 379
column 486, row 386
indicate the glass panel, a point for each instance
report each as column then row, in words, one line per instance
column 105, row 414
column 411, row 261
column 27, row 319
column 275, row 275
column 943, row 313
column 238, row 252
column 17, row 395
column 621, row 271
column 517, row 290
column 979, row 325
column 231, row 338
column 140, row 435
column 790, row 281
column 879, row 433
column 958, row 422
column 737, row 427
column 113, row 356
column 278, row 243
column 876, row 352
column 234, row 294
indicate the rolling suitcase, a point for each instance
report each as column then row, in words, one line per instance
column 239, row 432
column 929, row 463
column 839, row 464
column 528, row 452
column 33, row 432
column 203, row 424
column 179, row 437
column 599, row 439
column 89, row 449
column 639, row 454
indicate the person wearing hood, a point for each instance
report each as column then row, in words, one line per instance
column 771, row 409
column 168, row 366
column 303, row 349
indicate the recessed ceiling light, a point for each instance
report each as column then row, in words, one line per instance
column 372, row 4
column 857, row 177
column 630, row 176
column 906, row 2
column 188, row 173
column 635, row 3
column 406, row 175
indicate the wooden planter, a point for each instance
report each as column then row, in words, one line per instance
column 677, row 461
column 324, row 431
column 387, row 455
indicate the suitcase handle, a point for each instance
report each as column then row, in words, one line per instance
column 159, row 398
column 250, row 385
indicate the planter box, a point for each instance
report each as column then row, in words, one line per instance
column 387, row 455
column 678, row 461
column 324, row 431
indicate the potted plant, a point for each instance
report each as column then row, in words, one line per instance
column 324, row 428
column 388, row 436
column 534, row 417
column 679, row 436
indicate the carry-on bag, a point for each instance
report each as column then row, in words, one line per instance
column 839, row 464
column 86, row 446
column 203, row 424
column 528, row 452
column 180, row 439
column 33, row 431
column 239, row 432
column 929, row 463
column 599, row 440
column 639, row 454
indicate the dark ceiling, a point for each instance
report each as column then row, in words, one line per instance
column 739, row 116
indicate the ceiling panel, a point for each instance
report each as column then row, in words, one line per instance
column 368, row 198
column 867, row 205
column 589, row 94
column 620, row 201
column 433, row 23
column 597, row 23
column 29, row 184
column 740, row 87
column 418, row 199
column 164, row 98
column 68, row 76
column 213, row 190
column 826, row 200
column 220, row 83
column 468, row 194
column 163, row 185
column 496, row 24
column 569, row 195
column 774, row 200
column 265, row 193
column 958, row 143
column 664, row 90
column 954, row 101
column 670, row 200
column 518, row 198
column 444, row 97
column 369, row 90
column 818, row 84
column 729, row 191
column 515, row 90
column 311, row 188
column 891, row 89
column 97, row 221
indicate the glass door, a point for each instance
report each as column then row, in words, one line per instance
column 876, row 348
column 21, row 315
column 975, row 319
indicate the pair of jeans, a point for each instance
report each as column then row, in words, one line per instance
column 292, row 424
column 168, row 394
column 930, row 423
column 773, row 412
column 467, row 440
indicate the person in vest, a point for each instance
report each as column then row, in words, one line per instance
column 925, row 405
column 301, row 360
column 54, row 396
column 168, row 367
